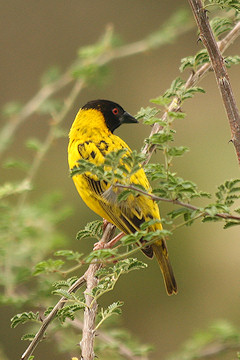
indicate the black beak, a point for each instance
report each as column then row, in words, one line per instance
column 126, row 118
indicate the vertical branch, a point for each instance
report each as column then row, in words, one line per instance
column 88, row 277
column 90, row 312
column 49, row 318
column 220, row 71
column 87, row 342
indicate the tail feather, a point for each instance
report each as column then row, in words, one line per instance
column 161, row 253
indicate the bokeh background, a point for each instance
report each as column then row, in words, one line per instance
column 38, row 34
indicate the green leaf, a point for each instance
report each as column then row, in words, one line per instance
column 68, row 283
column 176, row 114
column 113, row 309
column 28, row 337
column 220, row 25
column 16, row 164
column 68, row 312
column 231, row 223
column 69, row 254
column 232, row 60
column 93, row 229
column 170, row 29
column 160, row 138
column 12, row 108
column 161, row 101
column 107, row 41
column 194, row 62
column 102, row 254
column 186, row 62
column 177, row 150
column 227, row 4
column 178, row 212
column 50, row 106
column 63, row 293
column 48, row 266
column 132, row 238
column 51, row 75
column 34, row 144
column 149, row 223
column 24, row 317
column 147, row 114
column 8, row 189
column 124, row 195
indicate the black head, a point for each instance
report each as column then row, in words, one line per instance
column 113, row 113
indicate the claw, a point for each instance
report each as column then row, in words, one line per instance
column 99, row 245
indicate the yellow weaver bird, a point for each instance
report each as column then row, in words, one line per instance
column 91, row 138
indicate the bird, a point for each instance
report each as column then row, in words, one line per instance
column 92, row 138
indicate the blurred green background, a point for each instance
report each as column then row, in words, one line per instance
column 38, row 34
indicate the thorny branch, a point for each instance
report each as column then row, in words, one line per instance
column 8, row 131
column 191, row 81
column 177, row 202
column 38, row 337
column 90, row 312
column 86, row 278
column 34, row 104
column 108, row 339
column 220, row 70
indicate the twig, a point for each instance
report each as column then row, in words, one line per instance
column 38, row 337
column 46, row 322
column 191, row 81
column 8, row 131
column 32, row 106
column 216, row 349
column 177, row 202
column 51, row 136
column 90, row 312
column 108, row 339
column 220, row 71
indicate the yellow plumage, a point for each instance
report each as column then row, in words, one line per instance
column 91, row 138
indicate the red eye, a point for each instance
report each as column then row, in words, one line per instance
column 115, row 111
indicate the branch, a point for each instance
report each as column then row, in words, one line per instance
column 191, row 81
column 138, row 47
column 220, row 71
column 38, row 337
column 177, row 202
column 108, row 339
column 31, row 107
column 216, row 349
column 90, row 312
column 84, row 278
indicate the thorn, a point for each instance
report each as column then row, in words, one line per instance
column 199, row 40
column 230, row 141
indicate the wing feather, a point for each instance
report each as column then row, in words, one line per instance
column 102, row 197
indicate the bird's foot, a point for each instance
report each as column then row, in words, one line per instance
column 99, row 245
column 112, row 242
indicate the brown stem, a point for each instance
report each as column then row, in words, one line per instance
column 220, row 71
column 191, row 81
column 177, row 202
column 87, row 342
column 90, row 312
column 85, row 278
column 38, row 337
column 108, row 339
